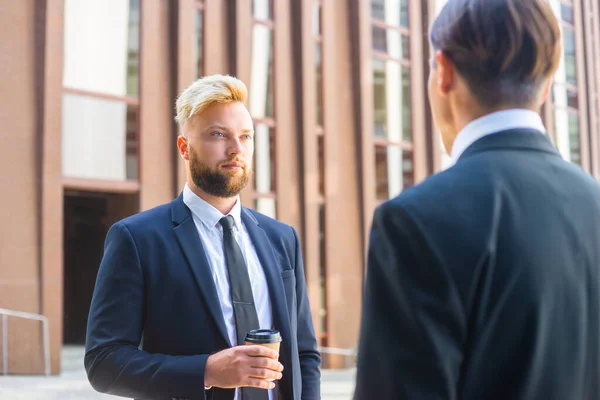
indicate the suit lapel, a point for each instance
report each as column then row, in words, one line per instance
column 189, row 240
column 273, row 274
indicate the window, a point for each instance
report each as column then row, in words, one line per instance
column 392, row 123
column 261, row 107
column 593, row 83
column 100, row 95
column 565, row 96
column 320, row 132
column 199, row 31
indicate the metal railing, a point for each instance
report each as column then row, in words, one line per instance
column 348, row 354
column 45, row 334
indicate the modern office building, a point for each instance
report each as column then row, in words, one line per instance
column 338, row 95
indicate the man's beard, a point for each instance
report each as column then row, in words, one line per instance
column 216, row 182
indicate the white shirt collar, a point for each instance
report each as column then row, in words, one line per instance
column 206, row 213
column 492, row 123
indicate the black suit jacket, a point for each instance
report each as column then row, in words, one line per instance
column 155, row 315
column 483, row 282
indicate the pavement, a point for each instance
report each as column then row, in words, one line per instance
column 72, row 383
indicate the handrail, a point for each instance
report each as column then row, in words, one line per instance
column 26, row 315
column 337, row 351
column 346, row 353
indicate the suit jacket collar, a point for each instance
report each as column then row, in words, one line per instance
column 191, row 246
column 498, row 121
column 514, row 139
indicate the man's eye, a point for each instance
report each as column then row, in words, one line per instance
column 247, row 137
column 218, row 134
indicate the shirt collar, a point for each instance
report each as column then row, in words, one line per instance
column 206, row 213
column 495, row 122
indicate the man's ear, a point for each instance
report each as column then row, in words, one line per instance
column 445, row 74
column 183, row 147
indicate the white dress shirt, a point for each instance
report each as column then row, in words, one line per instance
column 206, row 218
column 492, row 123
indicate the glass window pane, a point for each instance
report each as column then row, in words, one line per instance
column 408, row 176
column 101, row 46
column 379, row 98
column 404, row 13
column 261, row 74
column 199, row 43
column 569, row 49
column 317, row 19
column 393, row 171
column 264, row 159
column 322, row 270
column 133, row 49
column 319, row 82
column 392, row 12
column 262, row 9
column 132, row 142
column 404, row 50
column 574, row 138
column 378, row 9
column 266, row 205
column 567, row 134
column 99, row 138
column 566, row 13
column 321, row 151
column 379, row 38
column 572, row 99
column 563, row 97
column 405, row 106
column 391, row 107
column 391, row 41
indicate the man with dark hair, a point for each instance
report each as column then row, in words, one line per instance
column 483, row 281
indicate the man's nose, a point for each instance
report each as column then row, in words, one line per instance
column 235, row 146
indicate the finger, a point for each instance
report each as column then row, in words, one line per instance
column 259, row 351
column 264, row 374
column 259, row 383
column 265, row 362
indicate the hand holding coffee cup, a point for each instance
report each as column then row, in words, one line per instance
column 252, row 365
column 264, row 337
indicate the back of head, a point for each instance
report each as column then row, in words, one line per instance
column 504, row 49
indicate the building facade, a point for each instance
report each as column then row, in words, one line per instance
column 337, row 91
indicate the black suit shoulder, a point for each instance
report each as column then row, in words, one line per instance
column 456, row 191
column 490, row 179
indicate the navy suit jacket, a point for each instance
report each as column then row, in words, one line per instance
column 155, row 316
column 483, row 282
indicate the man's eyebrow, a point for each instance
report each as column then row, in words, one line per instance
column 217, row 127
column 224, row 128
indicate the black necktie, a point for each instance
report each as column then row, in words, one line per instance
column 244, row 311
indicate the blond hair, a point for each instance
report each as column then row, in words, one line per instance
column 206, row 91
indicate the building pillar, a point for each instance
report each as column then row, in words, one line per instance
column 31, row 233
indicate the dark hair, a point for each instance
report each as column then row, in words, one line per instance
column 505, row 49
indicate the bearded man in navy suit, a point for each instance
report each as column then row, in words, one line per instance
column 180, row 284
